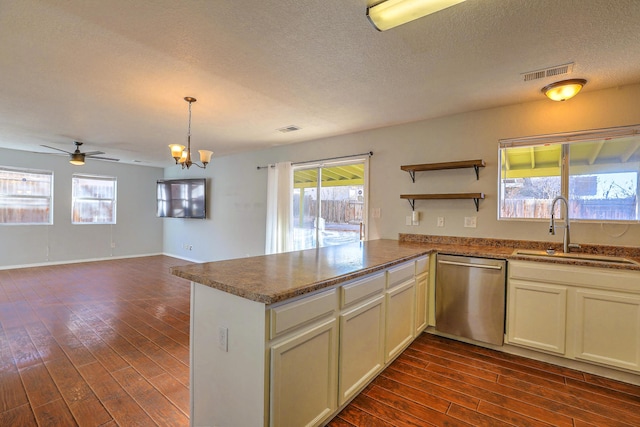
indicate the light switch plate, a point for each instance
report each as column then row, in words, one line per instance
column 223, row 338
column 470, row 221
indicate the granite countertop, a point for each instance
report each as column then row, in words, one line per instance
column 272, row 278
column 278, row 277
column 505, row 248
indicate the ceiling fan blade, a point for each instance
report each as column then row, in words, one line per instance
column 103, row 158
column 54, row 148
column 93, row 153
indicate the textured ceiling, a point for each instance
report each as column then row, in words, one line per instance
column 114, row 73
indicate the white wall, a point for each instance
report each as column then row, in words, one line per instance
column 235, row 226
column 237, row 191
column 137, row 232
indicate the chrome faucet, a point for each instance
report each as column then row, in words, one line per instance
column 566, row 240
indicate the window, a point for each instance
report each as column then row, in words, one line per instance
column 329, row 203
column 25, row 196
column 597, row 171
column 94, row 199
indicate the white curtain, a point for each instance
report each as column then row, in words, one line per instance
column 279, row 208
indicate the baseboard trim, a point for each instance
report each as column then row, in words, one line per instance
column 183, row 258
column 78, row 261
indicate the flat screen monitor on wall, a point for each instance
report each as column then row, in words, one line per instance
column 182, row 198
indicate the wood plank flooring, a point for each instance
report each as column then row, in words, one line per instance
column 106, row 344
column 442, row 382
column 95, row 344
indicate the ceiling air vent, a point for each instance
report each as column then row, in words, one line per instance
column 558, row 70
column 287, row 129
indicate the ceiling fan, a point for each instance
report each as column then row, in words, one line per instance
column 77, row 157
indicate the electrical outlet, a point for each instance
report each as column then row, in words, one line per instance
column 113, row 245
column 223, row 338
column 470, row 221
column 375, row 213
column 440, row 221
column 407, row 220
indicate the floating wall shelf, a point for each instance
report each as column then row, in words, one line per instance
column 413, row 197
column 475, row 164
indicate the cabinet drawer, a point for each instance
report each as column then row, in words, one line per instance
column 403, row 272
column 361, row 289
column 291, row 315
column 422, row 265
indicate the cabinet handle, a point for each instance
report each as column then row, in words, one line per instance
column 465, row 264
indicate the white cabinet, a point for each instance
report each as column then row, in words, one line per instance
column 400, row 311
column 361, row 351
column 303, row 361
column 537, row 315
column 292, row 315
column 584, row 313
column 422, row 294
column 400, row 318
column 608, row 328
column 361, row 346
column 303, row 377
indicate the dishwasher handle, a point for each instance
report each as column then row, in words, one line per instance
column 466, row 264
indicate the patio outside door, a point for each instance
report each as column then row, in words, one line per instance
column 329, row 203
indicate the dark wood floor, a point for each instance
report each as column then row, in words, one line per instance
column 442, row 382
column 106, row 344
column 95, row 344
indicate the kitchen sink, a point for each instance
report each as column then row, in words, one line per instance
column 574, row 256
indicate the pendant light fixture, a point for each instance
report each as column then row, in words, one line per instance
column 391, row 13
column 182, row 156
column 563, row 90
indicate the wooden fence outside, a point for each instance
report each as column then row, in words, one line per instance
column 333, row 211
column 618, row 209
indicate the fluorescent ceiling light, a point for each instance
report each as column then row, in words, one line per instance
column 391, row 13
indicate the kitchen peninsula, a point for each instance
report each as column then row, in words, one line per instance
column 250, row 316
column 289, row 339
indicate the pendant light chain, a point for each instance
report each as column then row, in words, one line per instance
column 189, row 129
column 188, row 162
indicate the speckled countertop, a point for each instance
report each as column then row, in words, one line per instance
column 273, row 278
column 505, row 248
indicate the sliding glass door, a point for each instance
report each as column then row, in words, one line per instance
column 330, row 203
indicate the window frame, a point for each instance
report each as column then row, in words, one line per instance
column 49, row 198
column 565, row 140
column 112, row 179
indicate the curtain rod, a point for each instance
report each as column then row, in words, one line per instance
column 369, row 153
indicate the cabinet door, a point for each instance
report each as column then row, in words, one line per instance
column 304, row 377
column 422, row 288
column 400, row 318
column 608, row 328
column 537, row 315
column 361, row 346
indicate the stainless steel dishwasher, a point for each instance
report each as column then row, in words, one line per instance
column 470, row 297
